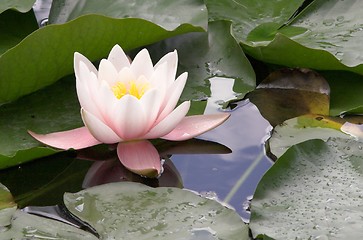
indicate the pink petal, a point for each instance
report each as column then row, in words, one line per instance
column 140, row 157
column 193, row 126
column 76, row 138
column 118, row 58
column 142, row 64
column 98, row 129
column 169, row 122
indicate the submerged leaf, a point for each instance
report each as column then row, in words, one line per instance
column 288, row 93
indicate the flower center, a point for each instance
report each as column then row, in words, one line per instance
column 136, row 89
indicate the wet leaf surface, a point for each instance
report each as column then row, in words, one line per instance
column 135, row 211
column 313, row 191
column 165, row 13
column 19, row 5
column 331, row 40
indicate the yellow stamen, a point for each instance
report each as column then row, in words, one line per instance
column 136, row 89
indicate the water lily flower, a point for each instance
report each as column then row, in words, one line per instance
column 127, row 103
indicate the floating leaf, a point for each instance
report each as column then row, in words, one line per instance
column 313, row 191
column 302, row 128
column 346, row 92
column 46, row 55
column 165, row 13
column 135, row 211
column 7, row 206
column 40, row 113
column 19, row 5
column 14, row 27
column 288, row 93
column 331, row 40
column 27, row 226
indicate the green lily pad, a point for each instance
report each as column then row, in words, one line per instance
column 346, row 92
column 46, row 55
column 19, row 5
column 14, row 27
column 7, row 206
column 27, row 226
column 37, row 113
column 313, row 191
column 302, row 128
column 330, row 41
column 165, row 13
column 135, row 211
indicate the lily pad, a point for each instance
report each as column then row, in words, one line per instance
column 165, row 13
column 14, row 27
column 36, row 112
column 135, row 211
column 289, row 93
column 27, row 226
column 346, row 92
column 313, row 191
column 331, row 40
column 19, row 5
column 46, row 55
column 302, row 128
column 7, row 206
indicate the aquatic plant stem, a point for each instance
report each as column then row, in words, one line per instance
column 243, row 177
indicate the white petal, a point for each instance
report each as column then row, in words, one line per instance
column 118, row 58
column 129, row 120
column 98, row 129
column 174, row 92
column 169, row 122
column 80, row 58
column 171, row 59
column 107, row 72
column 85, row 86
column 151, row 102
column 159, row 78
column 142, row 64
column 126, row 75
column 105, row 101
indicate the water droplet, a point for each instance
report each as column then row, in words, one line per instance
column 328, row 22
column 340, row 18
